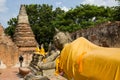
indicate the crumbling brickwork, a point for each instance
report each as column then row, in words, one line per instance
column 105, row 34
column 24, row 37
column 8, row 50
column 23, row 43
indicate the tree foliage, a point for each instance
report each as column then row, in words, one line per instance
column 83, row 16
column 11, row 28
column 43, row 19
column 117, row 11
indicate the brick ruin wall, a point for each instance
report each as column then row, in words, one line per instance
column 105, row 34
column 8, row 50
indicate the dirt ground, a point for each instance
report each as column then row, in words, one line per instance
column 10, row 74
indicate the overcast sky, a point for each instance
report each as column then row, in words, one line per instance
column 10, row 8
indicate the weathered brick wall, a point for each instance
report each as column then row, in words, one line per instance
column 105, row 34
column 8, row 50
column 24, row 37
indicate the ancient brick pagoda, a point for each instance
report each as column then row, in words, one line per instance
column 8, row 50
column 24, row 37
column 23, row 42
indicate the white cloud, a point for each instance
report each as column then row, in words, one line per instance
column 65, row 8
column 101, row 2
column 3, row 7
column 58, row 3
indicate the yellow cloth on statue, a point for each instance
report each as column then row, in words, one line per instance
column 57, row 68
column 42, row 51
column 82, row 60
column 37, row 50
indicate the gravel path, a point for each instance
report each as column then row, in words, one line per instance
column 10, row 74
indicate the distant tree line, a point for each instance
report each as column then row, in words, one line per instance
column 43, row 19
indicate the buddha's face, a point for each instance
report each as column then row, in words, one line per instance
column 60, row 39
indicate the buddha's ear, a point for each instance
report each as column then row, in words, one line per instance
column 68, row 35
column 57, row 30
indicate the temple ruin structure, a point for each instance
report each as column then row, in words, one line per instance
column 24, row 37
column 23, row 42
column 8, row 50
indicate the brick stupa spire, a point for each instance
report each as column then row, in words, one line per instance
column 22, row 17
column 24, row 37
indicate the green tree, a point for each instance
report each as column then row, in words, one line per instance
column 11, row 28
column 117, row 12
column 43, row 19
column 82, row 17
